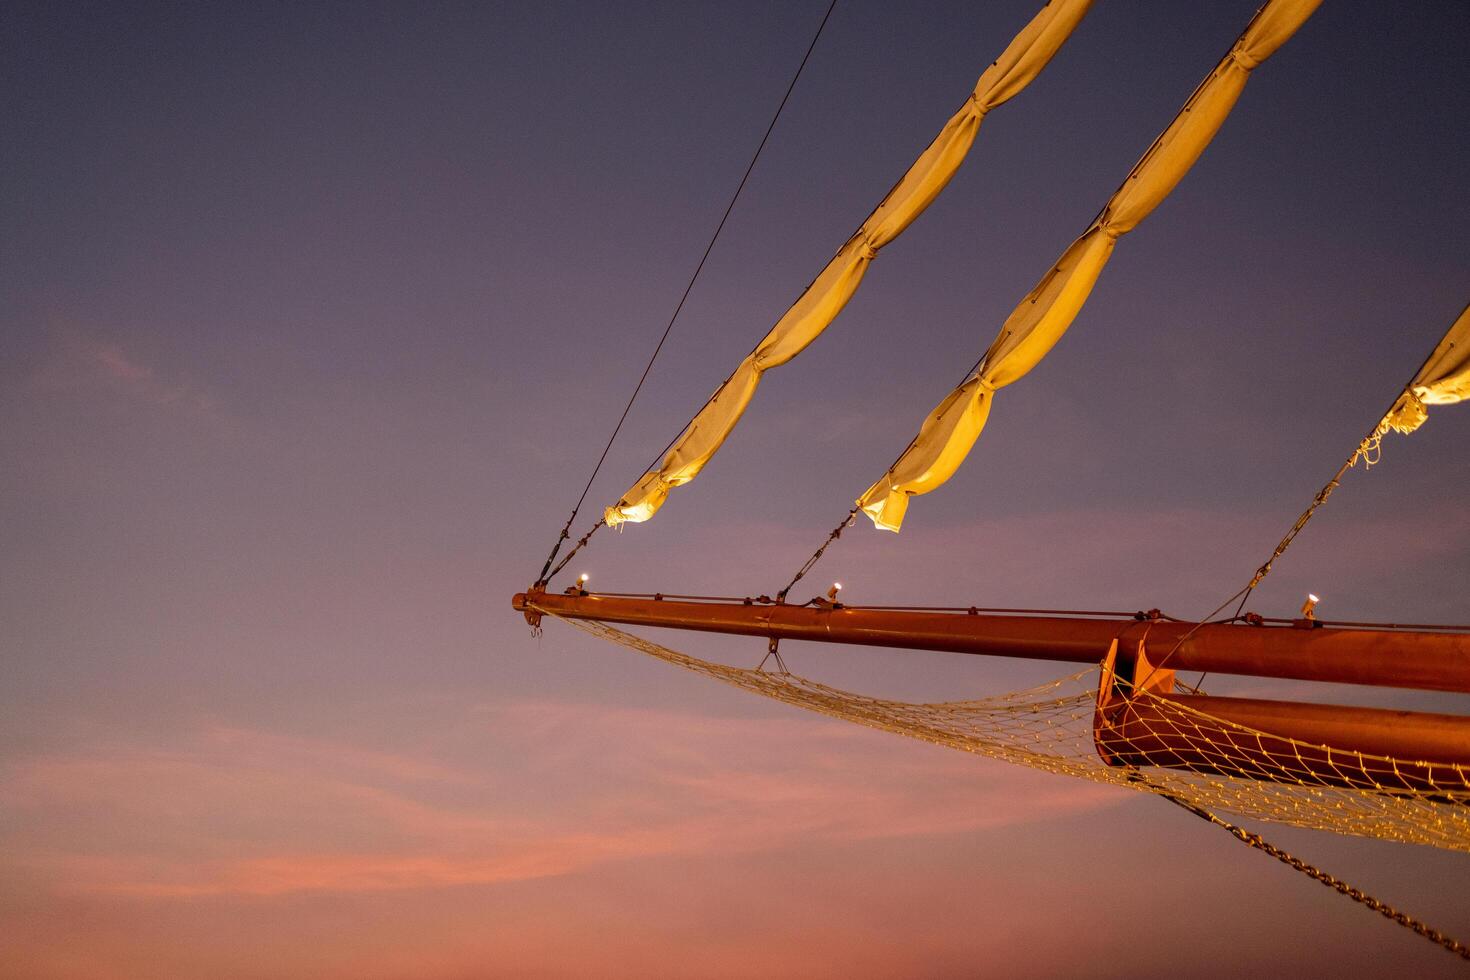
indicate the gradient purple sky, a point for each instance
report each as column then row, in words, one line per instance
column 315, row 317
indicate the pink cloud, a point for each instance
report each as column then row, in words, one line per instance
column 114, row 363
column 85, row 362
column 228, row 811
column 556, row 839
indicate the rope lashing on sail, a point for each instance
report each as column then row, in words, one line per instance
column 544, row 577
column 824, row 298
column 1038, row 322
column 1444, row 379
column 1251, row 839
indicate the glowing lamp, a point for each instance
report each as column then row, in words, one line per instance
column 1309, row 608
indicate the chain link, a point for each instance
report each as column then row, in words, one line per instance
column 1356, row 894
column 1317, row 874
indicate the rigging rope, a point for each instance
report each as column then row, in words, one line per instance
column 817, row 555
column 543, row 578
column 1368, row 450
column 581, row 543
column 852, row 514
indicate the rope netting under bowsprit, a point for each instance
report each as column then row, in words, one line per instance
column 1181, row 753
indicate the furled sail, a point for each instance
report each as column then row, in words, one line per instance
column 1443, row 380
column 949, row 432
column 819, row 305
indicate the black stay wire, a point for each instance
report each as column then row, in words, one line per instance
column 543, row 578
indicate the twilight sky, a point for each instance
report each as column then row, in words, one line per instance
column 314, row 318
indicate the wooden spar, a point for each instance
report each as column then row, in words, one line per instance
column 1289, row 742
column 1379, row 658
column 1277, row 741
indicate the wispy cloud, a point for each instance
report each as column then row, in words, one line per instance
column 229, row 811
column 85, row 362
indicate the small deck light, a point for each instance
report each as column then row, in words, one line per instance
column 1309, row 608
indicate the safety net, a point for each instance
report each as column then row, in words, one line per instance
column 1147, row 743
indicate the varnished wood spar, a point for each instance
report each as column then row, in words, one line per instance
column 1426, row 752
column 1400, row 658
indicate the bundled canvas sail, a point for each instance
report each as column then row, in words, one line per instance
column 1030, row 332
column 1443, row 380
column 819, row 305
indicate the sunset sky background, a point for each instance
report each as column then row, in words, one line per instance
column 314, row 318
